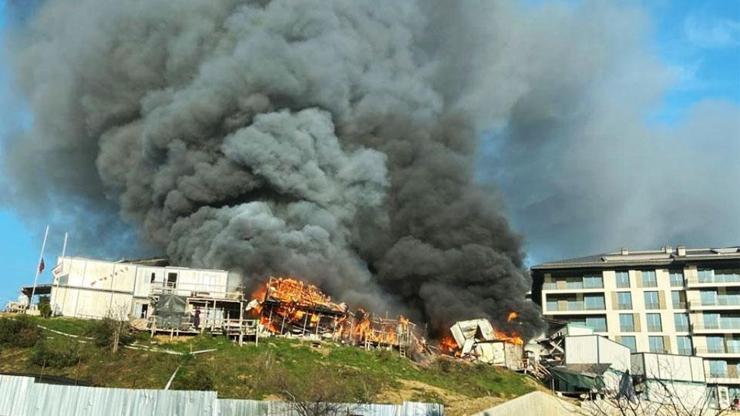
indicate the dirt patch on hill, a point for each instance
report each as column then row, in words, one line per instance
column 455, row 404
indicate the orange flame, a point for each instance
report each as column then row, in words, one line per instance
column 448, row 345
column 512, row 315
column 512, row 338
column 286, row 301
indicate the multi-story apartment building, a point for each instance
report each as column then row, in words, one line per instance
column 676, row 301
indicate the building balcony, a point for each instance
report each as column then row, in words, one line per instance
column 717, row 352
column 578, row 307
column 712, row 379
column 555, row 288
column 715, row 328
column 704, row 283
column 730, row 376
column 715, row 305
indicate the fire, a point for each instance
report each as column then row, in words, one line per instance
column 286, row 305
column 512, row 316
column 512, row 338
column 448, row 344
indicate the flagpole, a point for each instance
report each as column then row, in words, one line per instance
column 56, row 279
column 38, row 268
column 64, row 247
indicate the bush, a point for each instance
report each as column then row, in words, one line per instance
column 200, row 377
column 111, row 333
column 19, row 332
column 45, row 307
column 55, row 354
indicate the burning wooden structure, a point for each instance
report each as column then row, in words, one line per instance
column 477, row 340
column 287, row 306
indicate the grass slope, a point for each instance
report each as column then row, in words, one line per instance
column 246, row 372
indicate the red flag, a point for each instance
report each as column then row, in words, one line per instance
column 41, row 265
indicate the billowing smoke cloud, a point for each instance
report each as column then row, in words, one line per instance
column 330, row 139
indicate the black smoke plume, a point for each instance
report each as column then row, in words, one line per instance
column 333, row 140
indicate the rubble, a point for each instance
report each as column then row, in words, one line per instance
column 477, row 340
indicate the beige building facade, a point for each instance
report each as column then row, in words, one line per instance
column 675, row 301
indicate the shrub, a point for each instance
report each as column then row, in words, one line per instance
column 111, row 333
column 45, row 307
column 19, row 332
column 199, row 377
column 55, row 354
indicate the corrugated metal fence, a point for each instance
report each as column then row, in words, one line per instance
column 21, row 396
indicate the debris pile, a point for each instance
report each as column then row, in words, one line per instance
column 477, row 340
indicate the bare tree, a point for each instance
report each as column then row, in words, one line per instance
column 319, row 392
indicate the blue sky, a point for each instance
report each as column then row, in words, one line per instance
column 700, row 40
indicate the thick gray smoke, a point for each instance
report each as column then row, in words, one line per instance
column 334, row 140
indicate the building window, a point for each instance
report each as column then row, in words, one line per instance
column 727, row 275
column 653, row 322
column 706, row 275
column 623, row 279
column 733, row 345
column 552, row 304
column 649, row 279
column 717, row 368
column 593, row 282
column 715, row 345
column 597, row 323
column 651, row 300
column 681, row 321
column 678, row 299
column 626, row 322
column 708, row 297
column 624, row 300
column 171, row 279
column 152, row 278
column 656, row 344
column 684, row 345
column 711, row 321
column 594, row 302
column 676, row 278
column 629, row 342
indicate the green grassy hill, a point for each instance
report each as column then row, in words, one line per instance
column 266, row 371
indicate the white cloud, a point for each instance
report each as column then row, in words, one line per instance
column 714, row 33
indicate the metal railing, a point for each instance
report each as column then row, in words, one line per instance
column 652, row 305
column 624, row 306
column 718, row 349
column 722, row 301
column 570, row 285
column 574, row 306
column 715, row 278
column 679, row 305
column 715, row 325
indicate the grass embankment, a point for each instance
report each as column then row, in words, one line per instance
column 257, row 372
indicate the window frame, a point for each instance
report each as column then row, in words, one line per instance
column 647, row 322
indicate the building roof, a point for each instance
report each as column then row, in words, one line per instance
column 626, row 258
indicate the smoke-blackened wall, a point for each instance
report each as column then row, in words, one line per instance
column 334, row 140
